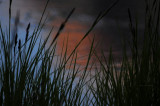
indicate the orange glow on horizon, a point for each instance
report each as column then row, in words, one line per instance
column 74, row 32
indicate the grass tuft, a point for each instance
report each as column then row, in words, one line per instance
column 28, row 76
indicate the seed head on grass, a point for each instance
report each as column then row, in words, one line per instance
column 27, row 32
column 16, row 38
column 63, row 25
column 15, row 43
column 32, row 81
column 19, row 46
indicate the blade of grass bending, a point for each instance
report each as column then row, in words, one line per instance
column 63, row 25
column 42, row 15
column 34, row 35
column 99, row 17
column 107, row 10
column 90, row 54
column 27, row 32
column 39, row 52
column 83, row 77
column 9, row 20
column 32, row 43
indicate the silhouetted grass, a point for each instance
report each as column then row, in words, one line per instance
column 28, row 78
column 137, row 81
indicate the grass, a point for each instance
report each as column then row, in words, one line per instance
column 137, row 82
column 27, row 79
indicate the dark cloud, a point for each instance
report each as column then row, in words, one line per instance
column 86, row 11
column 1, row 1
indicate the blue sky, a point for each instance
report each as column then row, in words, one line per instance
column 107, row 31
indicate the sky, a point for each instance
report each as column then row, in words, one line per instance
column 109, row 32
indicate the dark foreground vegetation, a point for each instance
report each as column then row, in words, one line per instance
column 28, row 78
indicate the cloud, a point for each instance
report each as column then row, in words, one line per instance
column 83, row 17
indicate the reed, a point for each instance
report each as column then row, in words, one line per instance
column 136, row 81
column 29, row 78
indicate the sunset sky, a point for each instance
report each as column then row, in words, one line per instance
column 109, row 31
